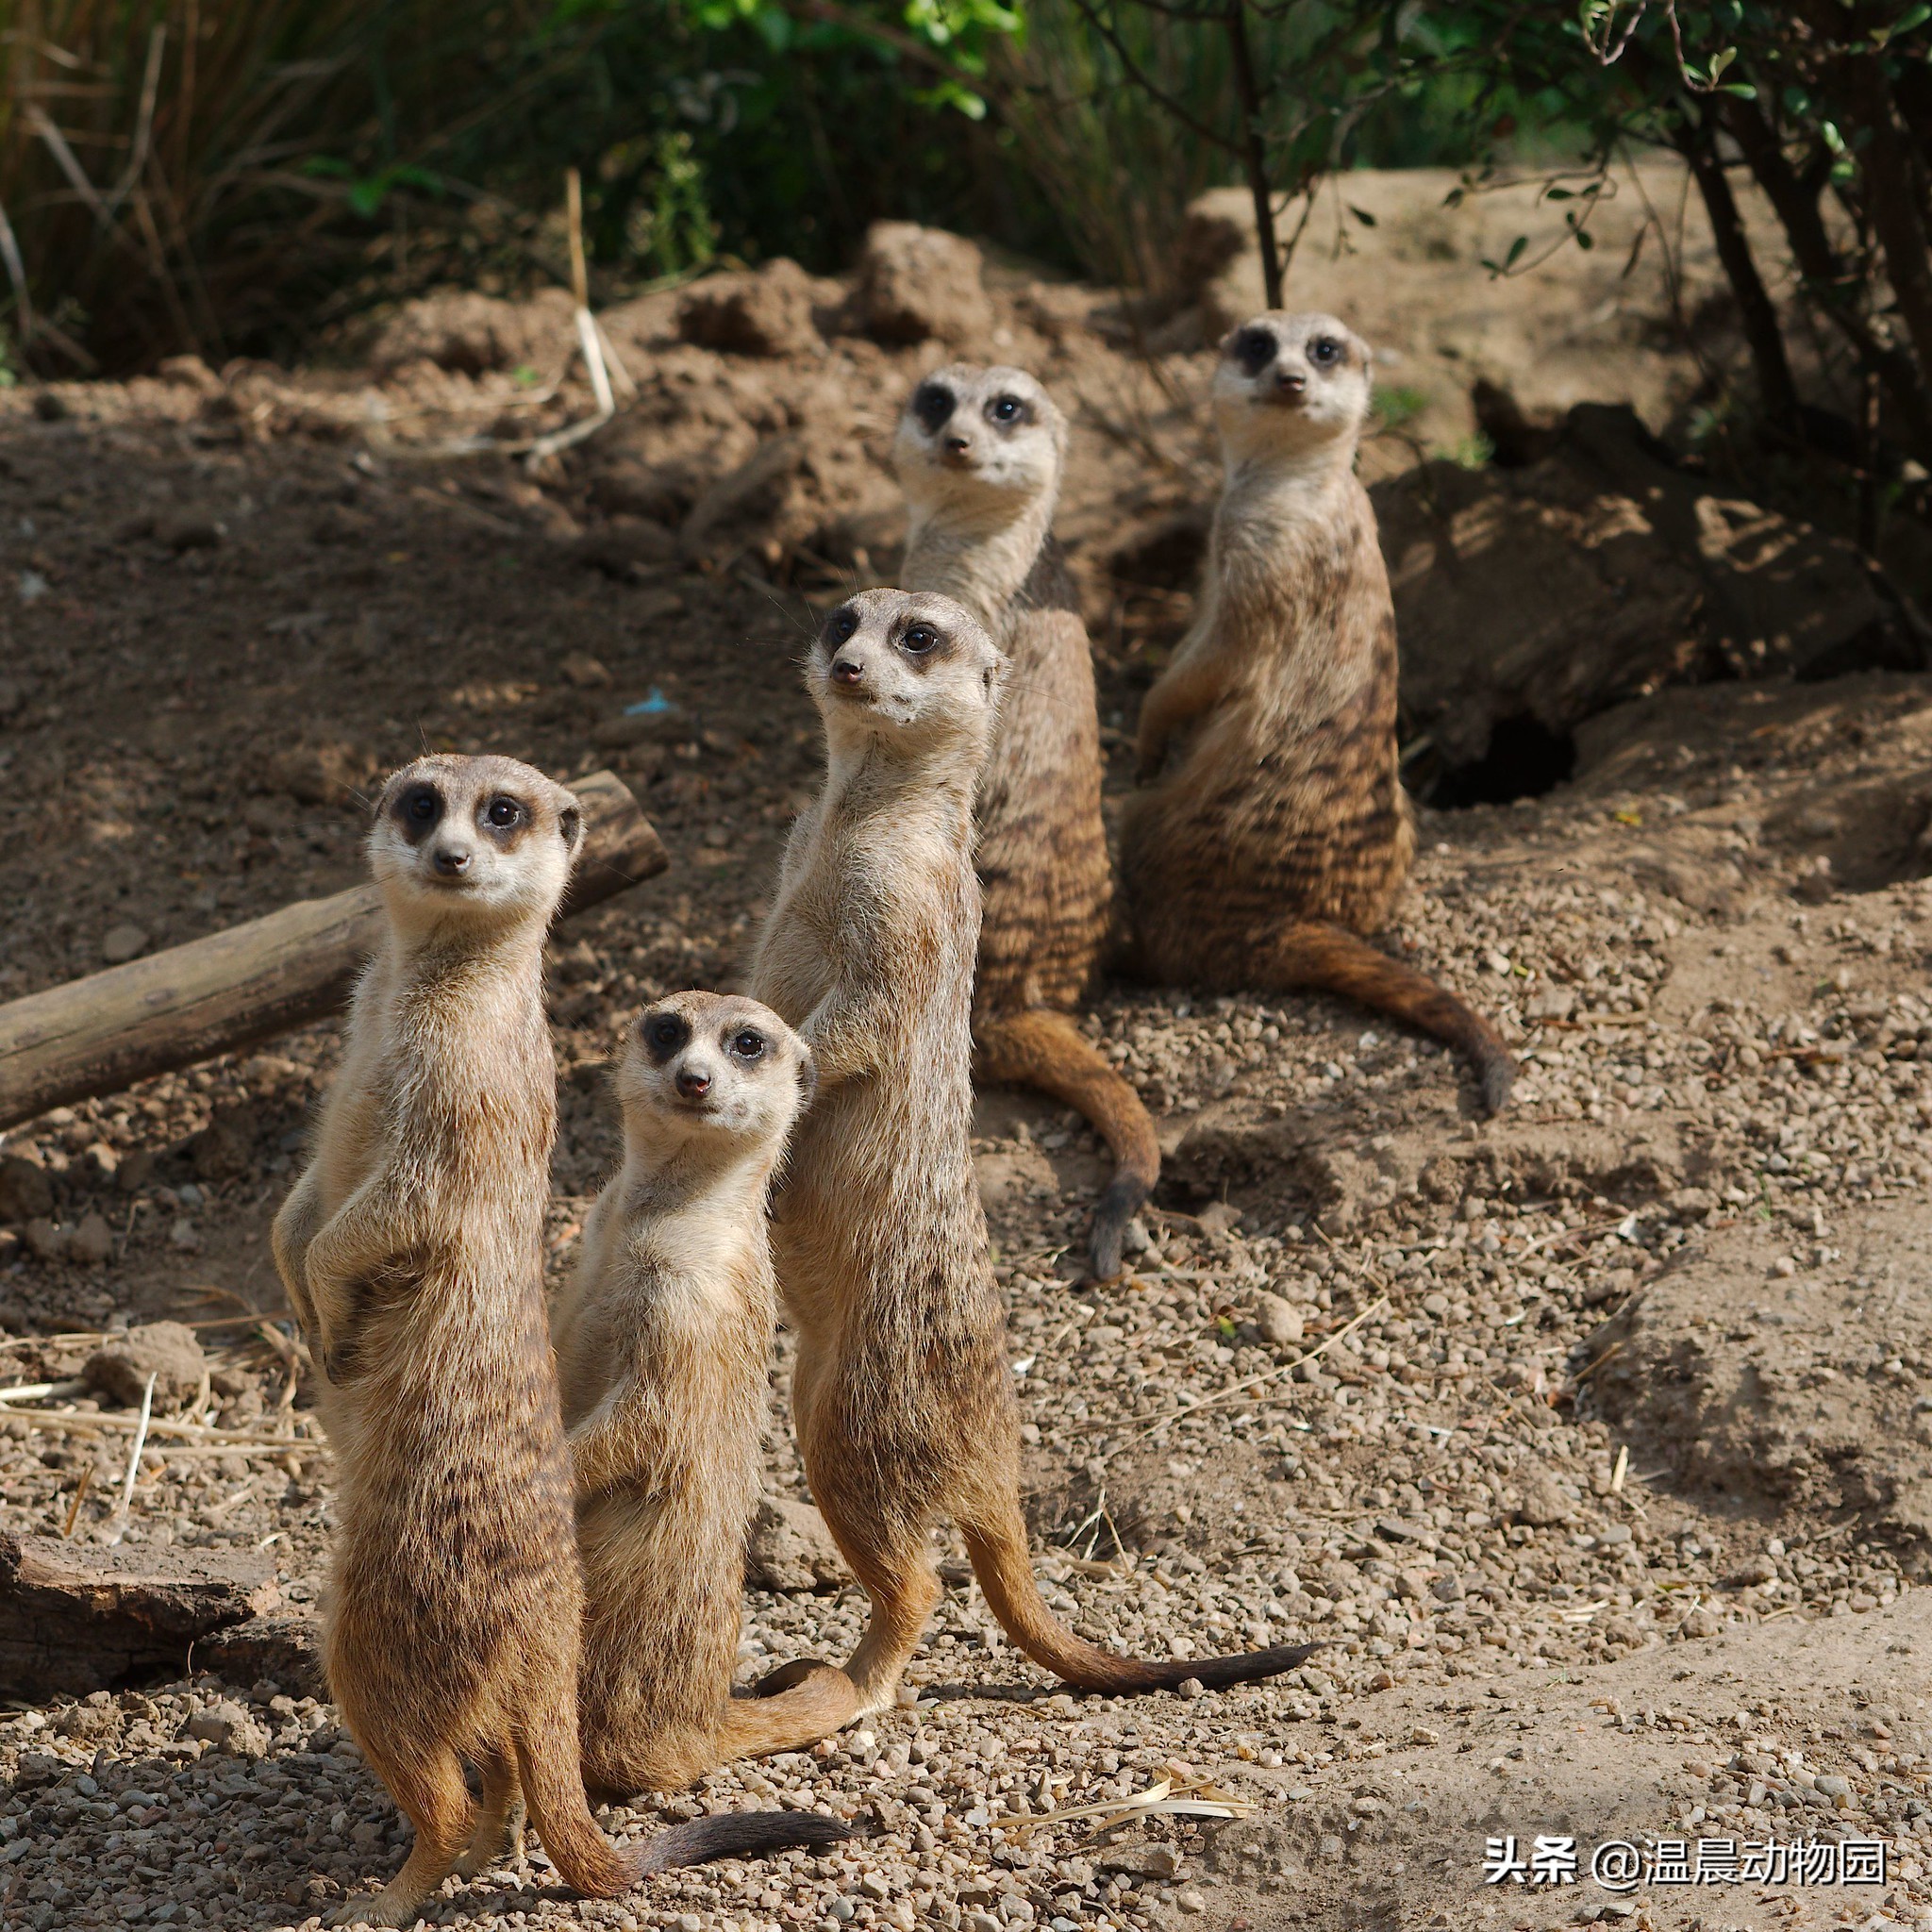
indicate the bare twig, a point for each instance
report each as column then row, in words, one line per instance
column 118, row 1522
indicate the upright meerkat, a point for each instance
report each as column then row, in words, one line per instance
column 411, row 1248
column 1275, row 832
column 981, row 453
column 902, row 1393
column 663, row 1343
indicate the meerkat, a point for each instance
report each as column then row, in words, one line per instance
column 1273, row 832
column 902, row 1394
column 411, row 1248
column 663, row 1339
column 979, row 454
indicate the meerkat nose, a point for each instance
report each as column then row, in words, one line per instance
column 956, row 446
column 692, row 1084
column 1293, row 380
column 845, row 671
column 452, row 860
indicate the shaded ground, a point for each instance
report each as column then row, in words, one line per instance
column 1611, row 1419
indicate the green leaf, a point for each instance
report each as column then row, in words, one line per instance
column 1516, row 248
column 1585, row 240
column 1362, row 215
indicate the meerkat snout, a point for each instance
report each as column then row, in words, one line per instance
column 716, row 1065
column 489, row 835
column 1291, row 384
column 896, row 663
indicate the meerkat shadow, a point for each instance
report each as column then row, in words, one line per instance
column 991, row 1694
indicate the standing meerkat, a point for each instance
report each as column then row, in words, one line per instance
column 981, row 453
column 411, row 1248
column 1275, row 832
column 902, row 1393
column 663, row 1343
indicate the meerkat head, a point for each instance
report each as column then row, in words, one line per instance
column 714, row 1067
column 473, row 840
column 1291, row 384
column 980, row 442
column 905, row 671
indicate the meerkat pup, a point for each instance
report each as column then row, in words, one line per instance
column 663, row 1342
column 902, row 1394
column 979, row 454
column 1276, row 831
column 411, row 1248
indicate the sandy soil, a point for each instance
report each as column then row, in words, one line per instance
column 1591, row 1441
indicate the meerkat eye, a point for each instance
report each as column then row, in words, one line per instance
column 932, row 402
column 840, row 626
column 746, row 1044
column 919, row 640
column 420, row 805
column 504, row 812
column 1006, row 409
column 666, row 1033
column 1325, row 352
column 1254, row 349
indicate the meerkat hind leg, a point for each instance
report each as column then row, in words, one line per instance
column 431, row 1794
column 497, row 1837
column 905, row 1589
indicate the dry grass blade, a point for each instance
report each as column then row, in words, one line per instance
column 1190, row 1798
column 118, row 1522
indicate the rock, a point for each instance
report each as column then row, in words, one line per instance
column 326, row 773
column 228, row 1726
column 1142, row 1861
column 225, row 1147
column 190, row 529
column 92, row 1243
column 166, row 1350
column 762, row 311
column 121, row 943
column 26, row 1192
column 1218, row 1217
column 12, row 698
column 790, row 1548
column 1700, row 1624
column 1552, row 1002
column 1280, row 1321
column 46, row 1242
column 188, row 372
column 1543, row 1505
column 915, row 284
column 629, row 546
column 584, row 671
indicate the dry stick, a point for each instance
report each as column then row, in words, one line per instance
column 80, row 1490
column 16, row 274
column 143, row 122
column 118, row 1522
column 588, row 338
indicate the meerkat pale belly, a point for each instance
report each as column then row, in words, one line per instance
column 902, row 1395
column 1275, row 833
column 411, row 1248
column 663, row 1339
column 980, row 454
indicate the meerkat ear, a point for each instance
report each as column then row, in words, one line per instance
column 569, row 821
column 808, row 1077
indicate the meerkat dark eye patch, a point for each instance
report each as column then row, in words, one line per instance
column 419, row 810
column 1009, row 412
column 1253, row 349
column 746, row 1044
column 1325, row 352
column 503, row 813
column 840, row 626
column 666, row 1034
column 932, row 404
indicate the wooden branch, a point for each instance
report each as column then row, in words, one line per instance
column 77, row 1617
column 233, row 988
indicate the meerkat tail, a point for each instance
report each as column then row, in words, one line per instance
column 1330, row 958
column 739, row 1835
column 1043, row 1048
column 1005, row 1569
column 795, row 1705
column 590, row 1863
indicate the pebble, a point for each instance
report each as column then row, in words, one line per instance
column 121, row 943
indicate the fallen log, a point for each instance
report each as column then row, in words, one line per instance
column 233, row 988
column 78, row 1617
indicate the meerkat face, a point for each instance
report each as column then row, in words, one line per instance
column 1290, row 384
column 716, row 1065
column 905, row 668
column 482, row 837
column 979, row 439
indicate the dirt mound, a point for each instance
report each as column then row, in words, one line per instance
column 1783, row 1367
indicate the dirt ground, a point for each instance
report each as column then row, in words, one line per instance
column 1592, row 1442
